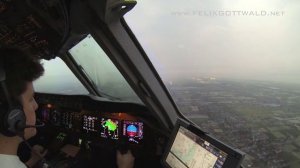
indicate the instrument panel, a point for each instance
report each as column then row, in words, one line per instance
column 99, row 128
column 112, row 126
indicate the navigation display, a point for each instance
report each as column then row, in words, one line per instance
column 133, row 131
column 189, row 147
column 189, row 150
column 109, row 128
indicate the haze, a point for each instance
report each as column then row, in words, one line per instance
column 184, row 38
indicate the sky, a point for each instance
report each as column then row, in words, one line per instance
column 238, row 39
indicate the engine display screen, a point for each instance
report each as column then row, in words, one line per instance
column 109, row 128
column 133, row 131
column 89, row 123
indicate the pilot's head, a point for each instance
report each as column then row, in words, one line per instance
column 20, row 70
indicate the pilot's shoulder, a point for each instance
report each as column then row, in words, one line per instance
column 11, row 161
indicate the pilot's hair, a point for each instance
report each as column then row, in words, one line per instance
column 20, row 68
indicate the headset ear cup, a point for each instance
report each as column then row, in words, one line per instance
column 16, row 121
column 4, row 121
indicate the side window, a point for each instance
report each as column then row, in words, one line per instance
column 58, row 79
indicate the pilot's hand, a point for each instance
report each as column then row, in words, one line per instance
column 37, row 153
column 125, row 160
column 70, row 150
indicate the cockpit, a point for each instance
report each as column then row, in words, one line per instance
column 102, row 112
column 101, row 93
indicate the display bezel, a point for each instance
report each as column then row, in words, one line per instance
column 119, row 125
column 234, row 156
column 135, row 122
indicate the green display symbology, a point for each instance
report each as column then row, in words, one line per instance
column 110, row 125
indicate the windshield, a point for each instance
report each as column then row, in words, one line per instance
column 94, row 62
column 232, row 67
column 51, row 81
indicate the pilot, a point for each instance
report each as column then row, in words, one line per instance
column 20, row 70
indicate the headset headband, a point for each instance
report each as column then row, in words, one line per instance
column 3, row 85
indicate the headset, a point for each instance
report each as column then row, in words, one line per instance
column 13, row 119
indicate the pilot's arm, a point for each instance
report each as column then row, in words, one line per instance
column 125, row 160
column 36, row 155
